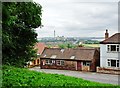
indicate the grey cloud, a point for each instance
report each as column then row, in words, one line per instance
column 74, row 18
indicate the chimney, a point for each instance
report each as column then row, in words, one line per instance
column 106, row 34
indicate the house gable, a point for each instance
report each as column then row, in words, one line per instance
column 114, row 39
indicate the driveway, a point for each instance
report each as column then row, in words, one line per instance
column 92, row 76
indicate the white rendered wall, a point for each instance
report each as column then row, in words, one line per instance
column 104, row 55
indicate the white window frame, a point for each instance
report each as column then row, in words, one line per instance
column 53, row 56
column 109, row 61
column 53, row 61
column 61, row 62
column 48, row 62
column 72, row 57
column 86, row 63
column 117, row 47
column 58, row 62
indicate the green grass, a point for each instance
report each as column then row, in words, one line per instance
column 91, row 45
column 13, row 76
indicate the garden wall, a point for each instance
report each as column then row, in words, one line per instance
column 108, row 70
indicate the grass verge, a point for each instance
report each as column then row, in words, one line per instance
column 14, row 77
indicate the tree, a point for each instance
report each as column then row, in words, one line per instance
column 62, row 46
column 18, row 35
column 66, row 45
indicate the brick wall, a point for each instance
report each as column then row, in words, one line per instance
column 108, row 70
column 68, row 65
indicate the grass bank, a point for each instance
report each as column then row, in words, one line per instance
column 14, row 77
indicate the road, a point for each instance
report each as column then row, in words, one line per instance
column 92, row 76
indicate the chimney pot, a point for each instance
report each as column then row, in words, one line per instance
column 106, row 34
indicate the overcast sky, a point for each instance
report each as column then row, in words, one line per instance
column 78, row 18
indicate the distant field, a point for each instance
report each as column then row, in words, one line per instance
column 91, row 45
column 14, row 77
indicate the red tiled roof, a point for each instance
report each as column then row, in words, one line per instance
column 79, row 53
column 114, row 39
column 40, row 47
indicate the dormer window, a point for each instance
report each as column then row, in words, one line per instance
column 62, row 50
column 44, row 55
column 53, row 56
column 72, row 57
column 38, row 55
column 113, row 48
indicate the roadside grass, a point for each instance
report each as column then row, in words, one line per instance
column 14, row 77
column 91, row 45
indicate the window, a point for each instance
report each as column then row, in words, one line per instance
column 118, row 48
column 113, row 48
column 62, row 50
column 38, row 55
column 86, row 63
column 108, row 47
column 113, row 63
column 72, row 57
column 44, row 56
column 49, row 62
column 53, row 61
column 53, row 56
column 60, row 62
column 108, row 62
column 117, row 63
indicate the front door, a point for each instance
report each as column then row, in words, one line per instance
column 79, row 66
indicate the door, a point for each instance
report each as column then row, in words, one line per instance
column 79, row 66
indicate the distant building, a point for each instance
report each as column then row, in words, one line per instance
column 60, row 38
column 80, row 59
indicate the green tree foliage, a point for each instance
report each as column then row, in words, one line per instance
column 66, row 45
column 19, row 19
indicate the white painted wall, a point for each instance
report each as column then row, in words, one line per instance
column 104, row 55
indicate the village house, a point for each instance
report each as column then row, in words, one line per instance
column 80, row 59
column 39, row 47
column 110, row 54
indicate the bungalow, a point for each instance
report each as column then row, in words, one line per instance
column 80, row 59
column 39, row 47
column 110, row 54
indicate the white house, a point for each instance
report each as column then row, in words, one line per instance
column 110, row 51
